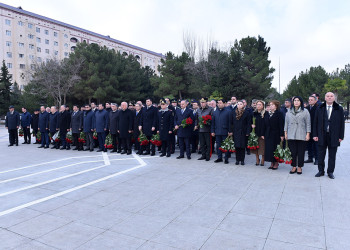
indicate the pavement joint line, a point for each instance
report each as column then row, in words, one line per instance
column 106, row 159
column 11, row 210
column 48, row 162
column 56, row 179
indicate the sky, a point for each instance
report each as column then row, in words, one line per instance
column 301, row 33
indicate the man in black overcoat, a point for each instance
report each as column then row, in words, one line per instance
column 113, row 120
column 125, row 126
column 165, row 127
column 12, row 124
column 328, row 131
column 148, row 125
column 64, row 119
column 136, row 132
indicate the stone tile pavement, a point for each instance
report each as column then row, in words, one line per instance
column 50, row 199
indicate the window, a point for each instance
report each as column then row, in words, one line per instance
column 66, row 45
column 21, row 55
column 65, row 53
column 31, row 57
column 20, row 44
column 9, row 54
column 20, row 23
column 30, row 36
column 56, row 43
column 8, row 43
column 56, row 52
column 32, row 66
column 37, row 29
column 46, row 32
column 55, row 34
column 47, row 51
column 38, row 49
column 22, row 66
column 31, row 46
column 65, row 36
column 38, row 39
column 9, row 65
column 38, row 59
column 8, row 33
column 30, row 25
column 7, row 22
column 47, row 41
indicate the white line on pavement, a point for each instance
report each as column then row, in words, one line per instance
column 48, row 162
column 105, row 158
column 8, row 211
column 57, row 179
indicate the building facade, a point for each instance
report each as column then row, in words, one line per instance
column 27, row 38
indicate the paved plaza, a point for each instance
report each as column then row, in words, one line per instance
column 53, row 199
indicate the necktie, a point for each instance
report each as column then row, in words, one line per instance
column 329, row 111
column 182, row 111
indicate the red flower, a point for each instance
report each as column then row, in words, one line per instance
column 189, row 121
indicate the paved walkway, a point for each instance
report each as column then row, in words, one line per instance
column 52, row 199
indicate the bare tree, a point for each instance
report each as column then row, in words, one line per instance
column 190, row 43
column 56, row 78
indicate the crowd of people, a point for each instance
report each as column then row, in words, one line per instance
column 194, row 126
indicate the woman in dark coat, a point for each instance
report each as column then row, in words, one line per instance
column 274, row 133
column 241, row 127
column 261, row 117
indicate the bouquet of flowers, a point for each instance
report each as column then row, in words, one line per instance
column 33, row 133
column 82, row 137
column 69, row 138
column 287, row 154
column 143, row 139
column 186, row 122
column 20, row 132
column 94, row 135
column 38, row 137
column 155, row 140
column 228, row 145
column 109, row 141
column 50, row 137
column 253, row 138
column 56, row 137
column 279, row 153
column 204, row 120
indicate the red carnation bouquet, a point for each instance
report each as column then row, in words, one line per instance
column 82, row 137
column 94, row 135
column 20, row 132
column 205, row 121
column 253, row 138
column 228, row 145
column 155, row 140
column 287, row 154
column 56, row 137
column 69, row 138
column 38, row 136
column 279, row 153
column 109, row 141
column 143, row 139
column 186, row 122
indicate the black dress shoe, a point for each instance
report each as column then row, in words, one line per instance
column 188, row 157
column 300, row 172
column 180, row 157
column 293, row 172
column 242, row 163
column 68, row 148
column 168, row 155
column 124, row 152
column 12, row 145
column 53, row 147
column 38, row 147
column 316, row 162
column 207, row 159
column 62, row 148
column 128, row 153
column 75, row 148
column 138, row 152
column 146, row 153
column 46, row 147
column 91, row 150
column 309, row 161
column 218, row 160
column 153, row 154
column 331, row 176
column 100, row 150
column 270, row 167
column 226, row 161
column 319, row 174
column 119, row 151
column 237, row 163
column 162, row 155
column 24, row 142
column 201, row 158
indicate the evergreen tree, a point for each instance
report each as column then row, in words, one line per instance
column 5, row 88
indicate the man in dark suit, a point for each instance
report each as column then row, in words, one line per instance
column 311, row 144
column 76, row 126
column 173, row 107
column 88, row 127
column 220, row 126
column 53, row 125
column 136, row 132
column 184, row 134
column 64, row 120
column 165, row 127
column 113, row 120
column 25, row 124
column 125, row 125
column 44, row 127
column 12, row 124
column 35, row 123
column 328, row 132
column 148, row 125
column 101, row 126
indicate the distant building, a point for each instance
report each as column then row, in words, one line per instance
column 27, row 38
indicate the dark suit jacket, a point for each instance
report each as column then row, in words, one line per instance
column 165, row 124
column 184, row 132
column 221, row 120
column 76, row 122
column 149, row 120
column 43, row 121
column 64, row 121
column 12, row 120
column 53, row 122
